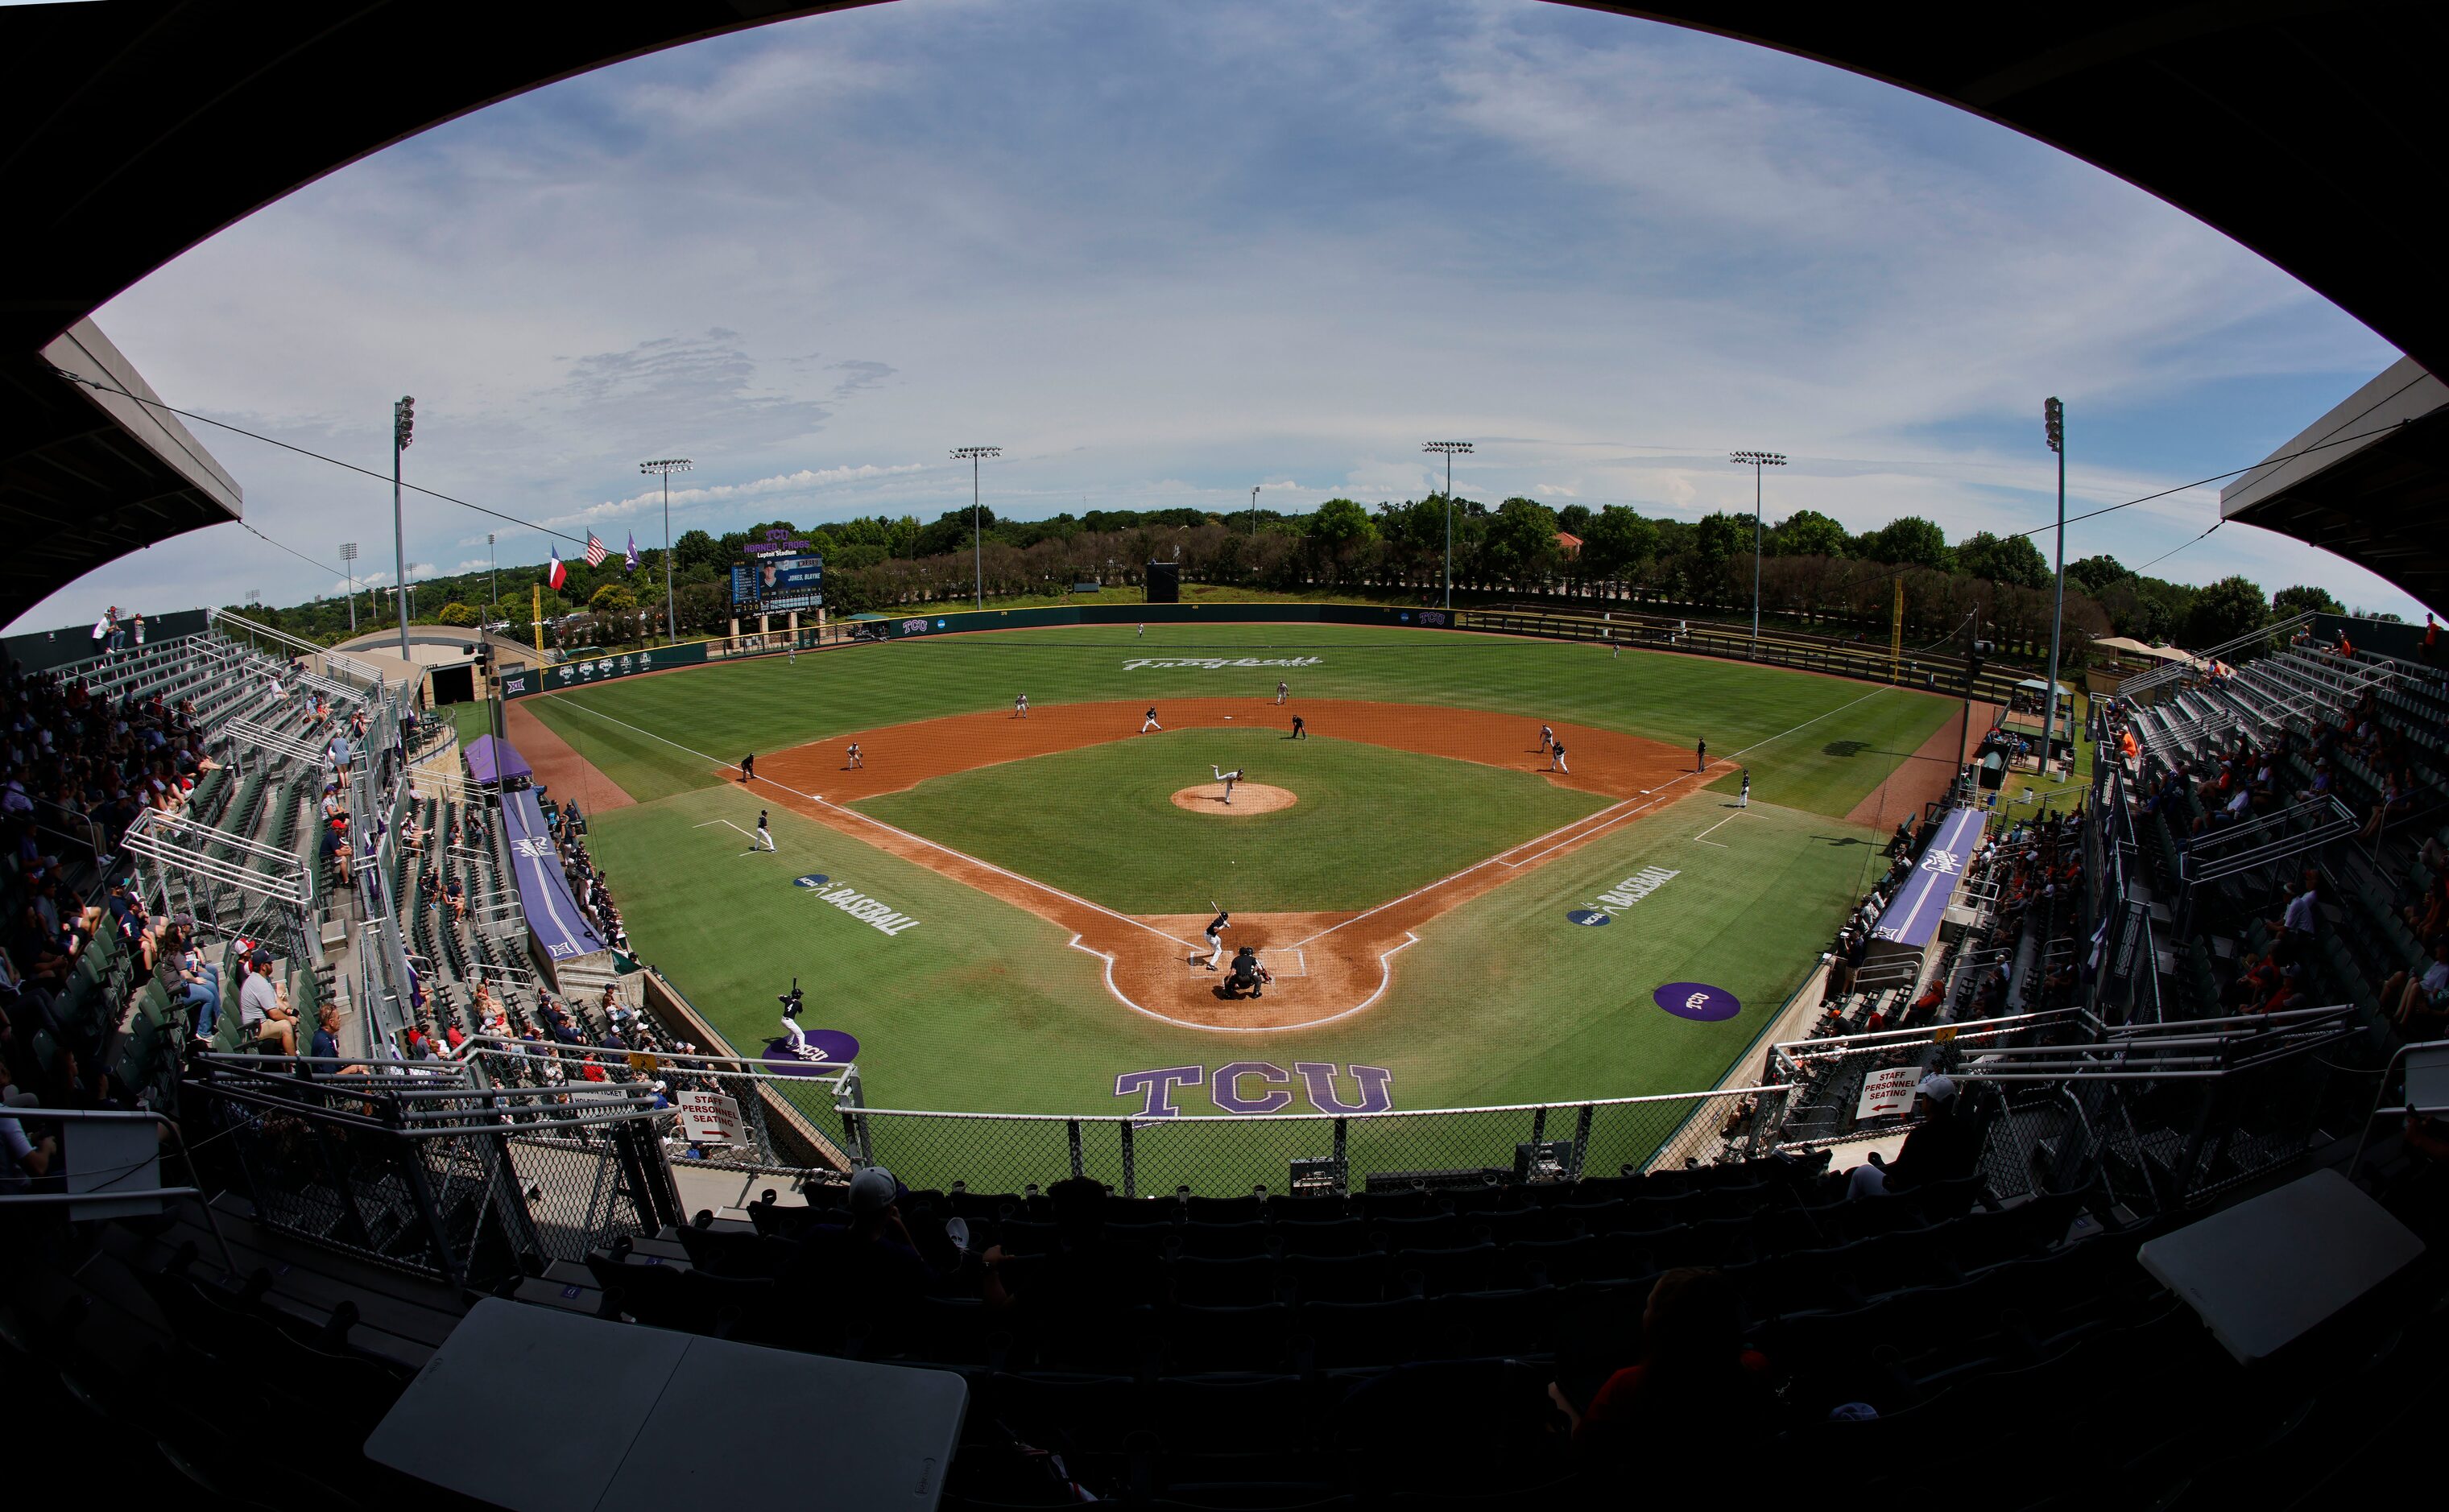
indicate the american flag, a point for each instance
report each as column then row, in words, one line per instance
column 596, row 550
column 630, row 563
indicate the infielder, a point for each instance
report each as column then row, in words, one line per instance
column 1216, row 927
column 1283, row 690
column 1149, row 723
column 1228, row 778
column 1743, row 799
column 1547, row 738
column 1556, row 759
column 764, row 836
column 855, row 762
column 1020, row 707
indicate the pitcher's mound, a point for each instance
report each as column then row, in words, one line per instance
column 1248, row 799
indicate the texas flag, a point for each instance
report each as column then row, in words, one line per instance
column 631, row 560
column 557, row 574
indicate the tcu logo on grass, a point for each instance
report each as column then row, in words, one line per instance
column 1259, row 1086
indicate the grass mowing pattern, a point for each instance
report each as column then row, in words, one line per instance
column 1857, row 735
column 1100, row 822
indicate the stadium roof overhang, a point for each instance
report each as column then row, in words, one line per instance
column 2376, row 492
column 135, row 128
column 90, row 475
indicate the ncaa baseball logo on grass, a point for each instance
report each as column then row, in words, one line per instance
column 870, row 911
column 1624, row 895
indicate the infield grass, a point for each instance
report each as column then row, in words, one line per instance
column 1370, row 823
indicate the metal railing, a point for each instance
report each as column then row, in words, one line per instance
column 435, row 1175
column 2269, row 634
column 1230, row 1154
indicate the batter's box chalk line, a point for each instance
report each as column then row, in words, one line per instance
column 1291, row 963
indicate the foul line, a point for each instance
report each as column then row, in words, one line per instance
column 918, row 840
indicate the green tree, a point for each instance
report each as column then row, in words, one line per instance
column 2301, row 598
column 1575, row 519
column 613, row 598
column 1523, row 538
column 1909, row 541
column 1339, row 523
column 2228, row 608
column 1807, row 533
column 1617, row 541
column 2096, row 573
column 694, row 550
column 457, row 614
column 2013, row 560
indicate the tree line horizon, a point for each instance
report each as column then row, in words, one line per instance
column 1813, row 571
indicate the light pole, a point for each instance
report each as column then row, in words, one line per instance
column 664, row 468
column 403, row 430
column 2053, row 426
column 1448, row 449
column 1254, row 509
column 348, row 553
column 494, row 567
column 1756, row 460
column 978, row 530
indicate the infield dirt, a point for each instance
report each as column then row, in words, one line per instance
column 1345, row 960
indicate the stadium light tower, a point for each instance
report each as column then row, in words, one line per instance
column 1254, row 509
column 978, row 530
column 1448, row 449
column 664, row 468
column 493, row 567
column 349, row 554
column 403, row 430
column 2054, row 427
column 1756, row 460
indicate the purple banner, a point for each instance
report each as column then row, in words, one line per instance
column 543, row 894
column 490, row 761
column 1912, row 916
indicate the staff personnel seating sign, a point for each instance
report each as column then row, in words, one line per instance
column 1887, row 1094
column 709, row 1118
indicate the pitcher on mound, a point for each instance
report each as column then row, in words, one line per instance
column 1228, row 778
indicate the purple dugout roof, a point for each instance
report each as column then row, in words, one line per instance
column 1912, row 916
column 544, row 896
column 490, row 761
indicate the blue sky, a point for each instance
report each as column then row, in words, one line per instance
column 1161, row 253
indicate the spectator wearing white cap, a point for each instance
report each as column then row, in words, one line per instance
column 1944, row 1147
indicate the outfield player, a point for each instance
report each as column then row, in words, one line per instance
column 765, row 835
column 1301, row 728
column 855, row 762
column 1216, row 927
column 749, row 766
column 1020, row 707
column 1283, row 690
column 1149, row 722
column 1228, row 778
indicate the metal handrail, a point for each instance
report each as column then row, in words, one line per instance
column 2174, row 670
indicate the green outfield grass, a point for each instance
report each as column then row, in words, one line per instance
column 981, row 1006
column 1828, row 742
column 1100, row 822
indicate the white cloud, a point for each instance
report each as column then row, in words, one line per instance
column 1243, row 246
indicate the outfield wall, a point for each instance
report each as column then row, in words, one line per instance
column 1859, row 663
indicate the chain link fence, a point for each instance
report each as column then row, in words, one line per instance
column 1228, row 1155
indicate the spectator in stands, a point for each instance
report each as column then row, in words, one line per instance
column 26, row 1160
column 326, row 1047
column 1696, row 1395
column 1945, row 1145
column 199, row 984
column 263, row 1005
column 457, row 896
column 2419, row 1004
column 2295, row 927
